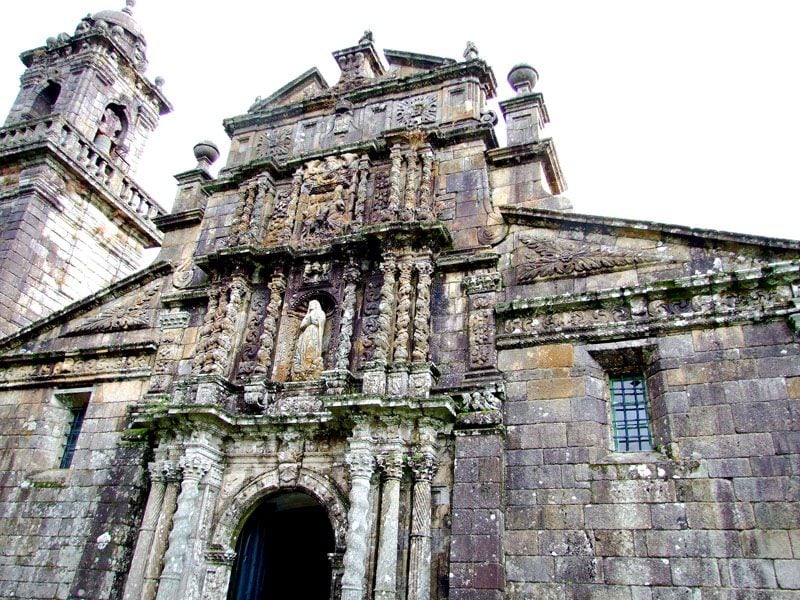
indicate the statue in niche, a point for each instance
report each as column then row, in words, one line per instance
column 307, row 362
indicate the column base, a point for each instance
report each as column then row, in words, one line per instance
column 397, row 380
column 374, row 381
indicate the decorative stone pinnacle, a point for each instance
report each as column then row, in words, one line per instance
column 366, row 38
column 471, row 51
column 129, row 4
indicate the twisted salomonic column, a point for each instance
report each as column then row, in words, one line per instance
column 403, row 315
column 361, row 462
column 422, row 310
column 411, row 186
column 351, row 274
column 204, row 337
column 385, row 309
column 423, row 466
column 425, row 203
column 395, row 180
column 291, row 209
column 361, row 194
column 147, row 532
column 172, row 476
column 391, row 463
column 267, row 340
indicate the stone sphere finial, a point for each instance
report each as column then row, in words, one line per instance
column 523, row 78
column 206, row 153
column 129, row 4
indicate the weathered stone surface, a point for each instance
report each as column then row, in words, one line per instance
column 375, row 313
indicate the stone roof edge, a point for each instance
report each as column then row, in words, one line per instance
column 635, row 228
column 382, row 87
column 113, row 291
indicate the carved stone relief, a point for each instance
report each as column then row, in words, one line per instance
column 416, row 111
column 276, row 143
column 327, row 198
column 131, row 313
column 544, row 259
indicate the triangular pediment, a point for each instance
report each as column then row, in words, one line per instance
column 127, row 308
column 411, row 63
column 307, row 85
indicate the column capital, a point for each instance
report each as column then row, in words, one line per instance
column 423, row 465
column 391, row 463
column 194, row 467
column 361, row 464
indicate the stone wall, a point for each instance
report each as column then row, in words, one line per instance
column 714, row 507
column 68, row 532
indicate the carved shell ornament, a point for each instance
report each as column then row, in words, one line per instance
column 548, row 259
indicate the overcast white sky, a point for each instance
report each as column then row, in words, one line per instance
column 683, row 112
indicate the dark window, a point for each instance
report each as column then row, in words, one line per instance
column 631, row 414
column 76, row 403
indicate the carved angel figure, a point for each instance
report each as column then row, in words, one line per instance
column 307, row 362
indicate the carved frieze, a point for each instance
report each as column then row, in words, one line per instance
column 132, row 365
column 416, row 111
column 663, row 306
column 130, row 313
column 548, row 259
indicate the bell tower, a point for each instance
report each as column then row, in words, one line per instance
column 72, row 217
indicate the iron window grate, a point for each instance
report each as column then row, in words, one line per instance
column 631, row 414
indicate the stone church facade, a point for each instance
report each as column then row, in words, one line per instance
column 378, row 356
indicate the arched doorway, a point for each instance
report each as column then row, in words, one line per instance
column 282, row 551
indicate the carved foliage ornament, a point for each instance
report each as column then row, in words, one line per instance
column 557, row 258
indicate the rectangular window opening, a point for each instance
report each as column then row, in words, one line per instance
column 631, row 414
column 76, row 402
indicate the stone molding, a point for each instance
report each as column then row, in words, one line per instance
column 674, row 305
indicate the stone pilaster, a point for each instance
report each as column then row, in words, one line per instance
column 361, row 193
column 291, row 209
column 481, row 293
column 277, row 286
column 180, row 577
column 361, row 463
